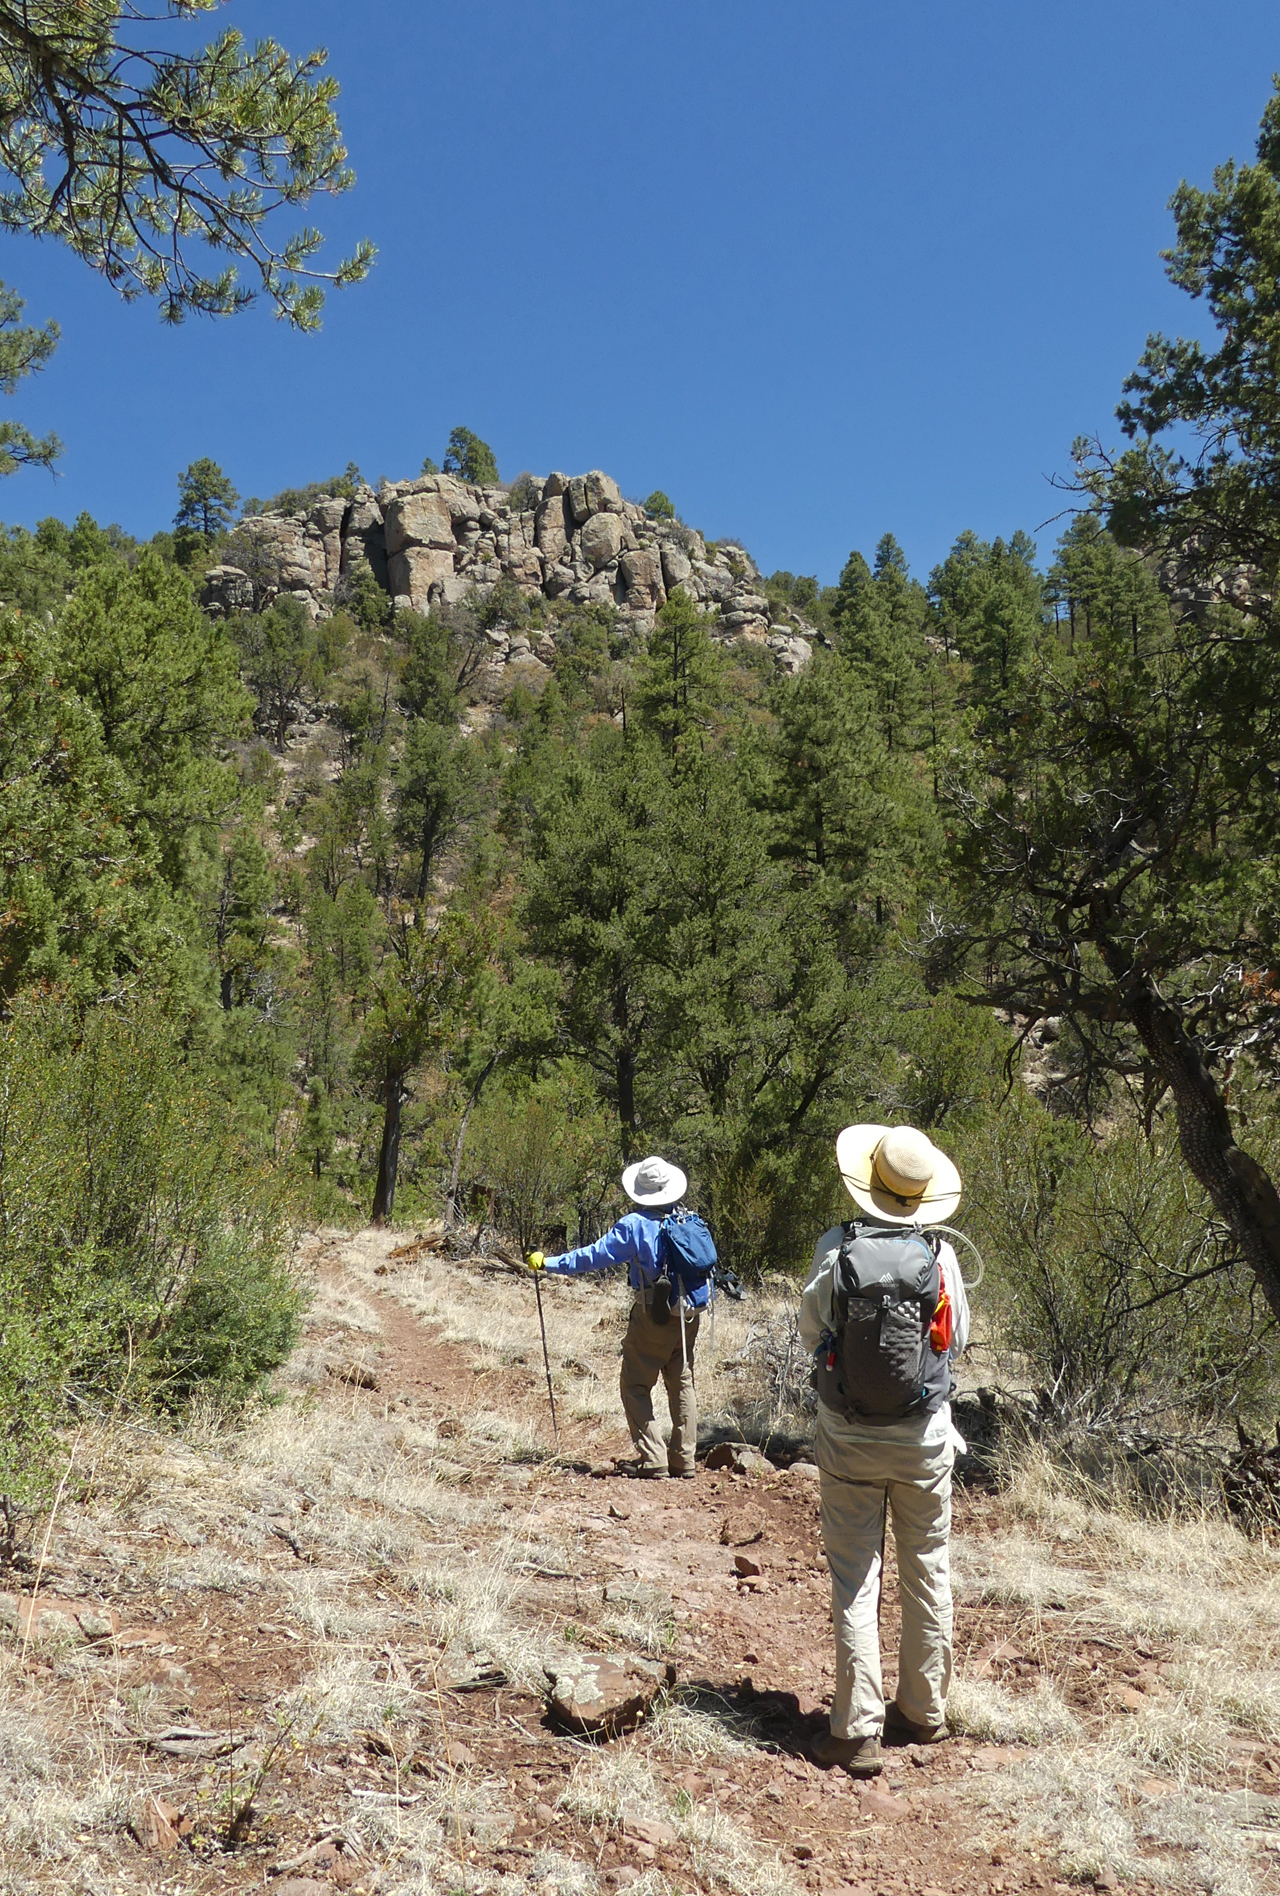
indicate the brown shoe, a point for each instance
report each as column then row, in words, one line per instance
column 901, row 1730
column 860, row 1757
column 640, row 1471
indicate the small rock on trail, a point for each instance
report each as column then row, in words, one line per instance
column 741, row 1526
column 599, row 1695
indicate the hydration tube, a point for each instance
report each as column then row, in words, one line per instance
column 970, row 1283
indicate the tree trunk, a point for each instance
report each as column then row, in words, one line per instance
column 227, row 990
column 429, row 833
column 625, row 1070
column 455, row 1172
column 384, row 1192
column 1240, row 1191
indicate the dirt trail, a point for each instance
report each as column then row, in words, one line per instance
column 352, row 1600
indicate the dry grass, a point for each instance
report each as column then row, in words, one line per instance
column 614, row 1786
column 343, row 1693
column 979, row 1708
column 1089, row 1795
column 1086, row 1806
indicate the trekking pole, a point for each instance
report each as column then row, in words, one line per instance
column 551, row 1398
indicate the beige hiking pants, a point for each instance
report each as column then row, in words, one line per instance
column 863, row 1484
column 650, row 1350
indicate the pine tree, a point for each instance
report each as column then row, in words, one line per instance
column 990, row 609
column 161, row 680
column 471, row 459
column 681, row 683
column 207, row 503
column 438, row 784
column 134, row 157
column 880, row 619
column 838, row 804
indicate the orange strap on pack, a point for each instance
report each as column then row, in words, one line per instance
column 942, row 1327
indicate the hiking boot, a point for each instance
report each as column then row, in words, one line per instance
column 640, row 1471
column 683, row 1474
column 901, row 1730
column 860, row 1757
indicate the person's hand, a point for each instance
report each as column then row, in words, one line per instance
column 535, row 1260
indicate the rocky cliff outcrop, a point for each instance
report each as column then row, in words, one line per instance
column 1195, row 588
column 437, row 541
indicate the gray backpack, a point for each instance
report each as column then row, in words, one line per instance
column 878, row 1364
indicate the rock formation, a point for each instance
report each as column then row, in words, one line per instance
column 437, row 540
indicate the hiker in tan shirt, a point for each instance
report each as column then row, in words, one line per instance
column 884, row 1315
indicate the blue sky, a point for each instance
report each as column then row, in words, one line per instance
column 818, row 270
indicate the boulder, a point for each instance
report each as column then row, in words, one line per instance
column 740, row 1458
column 602, row 539
column 642, row 576
column 791, row 652
column 365, row 536
column 602, row 494
column 461, row 500
column 714, row 582
column 552, row 528
column 419, row 520
column 676, row 566
column 416, row 570
column 804, row 1472
column 327, row 515
column 434, row 538
column 599, row 1695
column 226, row 589
column 282, row 542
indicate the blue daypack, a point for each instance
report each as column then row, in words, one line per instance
column 687, row 1255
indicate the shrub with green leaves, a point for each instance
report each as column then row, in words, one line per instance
column 143, row 1251
column 547, row 1156
column 1110, row 1286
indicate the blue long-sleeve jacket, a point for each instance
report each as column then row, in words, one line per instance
column 633, row 1241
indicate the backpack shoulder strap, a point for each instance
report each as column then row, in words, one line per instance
column 839, row 1289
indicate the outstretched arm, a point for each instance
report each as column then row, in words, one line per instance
column 617, row 1246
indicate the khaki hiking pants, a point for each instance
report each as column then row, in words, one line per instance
column 863, row 1486
column 650, row 1350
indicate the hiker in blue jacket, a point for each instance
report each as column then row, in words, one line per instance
column 653, row 1346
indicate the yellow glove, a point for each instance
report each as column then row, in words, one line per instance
column 535, row 1260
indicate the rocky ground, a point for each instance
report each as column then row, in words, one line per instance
column 308, row 1651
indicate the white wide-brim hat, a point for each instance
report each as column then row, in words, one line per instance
column 897, row 1175
column 653, row 1182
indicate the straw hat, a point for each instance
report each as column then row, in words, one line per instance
column 897, row 1175
column 653, row 1182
